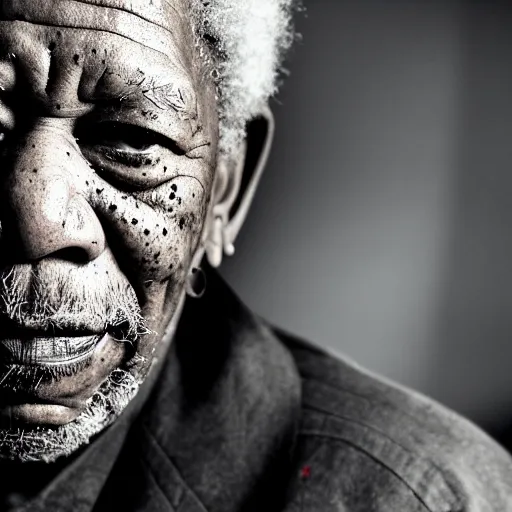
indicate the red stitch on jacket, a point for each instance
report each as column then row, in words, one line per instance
column 305, row 472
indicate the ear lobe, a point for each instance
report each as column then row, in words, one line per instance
column 236, row 182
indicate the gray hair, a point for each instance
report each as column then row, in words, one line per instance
column 248, row 39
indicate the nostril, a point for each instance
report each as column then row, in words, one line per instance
column 74, row 254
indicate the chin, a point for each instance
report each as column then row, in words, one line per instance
column 52, row 408
column 46, row 443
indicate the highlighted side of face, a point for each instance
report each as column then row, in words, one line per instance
column 108, row 143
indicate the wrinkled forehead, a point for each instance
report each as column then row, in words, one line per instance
column 108, row 47
column 158, row 29
column 157, row 24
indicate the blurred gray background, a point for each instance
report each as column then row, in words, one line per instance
column 383, row 225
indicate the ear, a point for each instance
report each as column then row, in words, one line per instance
column 236, row 181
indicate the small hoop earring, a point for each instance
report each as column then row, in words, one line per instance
column 196, row 283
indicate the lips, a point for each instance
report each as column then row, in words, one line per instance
column 40, row 346
column 49, row 385
column 46, row 350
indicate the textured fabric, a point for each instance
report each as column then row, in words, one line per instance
column 244, row 418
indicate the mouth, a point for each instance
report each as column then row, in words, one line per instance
column 50, row 380
column 47, row 351
column 33, row 347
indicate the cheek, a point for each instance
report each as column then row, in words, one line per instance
column 166, row 250
column 153, row 234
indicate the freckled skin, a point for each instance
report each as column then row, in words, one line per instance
column 60, row 193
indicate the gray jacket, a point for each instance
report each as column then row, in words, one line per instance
column 246, row 418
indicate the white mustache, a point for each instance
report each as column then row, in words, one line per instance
column 56, row 295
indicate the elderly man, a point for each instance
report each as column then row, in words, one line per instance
column 133, row 134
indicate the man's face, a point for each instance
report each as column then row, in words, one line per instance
column 109, row 133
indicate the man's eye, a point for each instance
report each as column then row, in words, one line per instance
column 126, row 155
column 116, row 145
column 120, row 137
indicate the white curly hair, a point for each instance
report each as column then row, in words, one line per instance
column 248, row 40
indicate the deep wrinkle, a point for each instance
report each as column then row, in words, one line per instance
column 162, row 42
column 140, row 14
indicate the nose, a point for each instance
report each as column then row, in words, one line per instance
column 46, row 214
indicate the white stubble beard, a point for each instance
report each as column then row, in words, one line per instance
column 47, row 444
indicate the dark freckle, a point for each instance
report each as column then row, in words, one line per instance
column 99, row 190
column 164, row 232
column 135, row 222
column 172, row 195
column 51, row 46
column 68, row 153
column 170, row 210
column 103, row 61
column 124, row 197
column 34, row 170
column 146, row 232
column 30, row 180
column 144, row 174
column 94, row 51
column 136, row 205
column 165, row 169
column 87, row 183
column 171, row 265
column 113, row 207
column 174, row 187
column 102, row 359
column 182, row 222
column 193, row 195
column 179, row 201
column 58, row 33
column 76, row 58
column 63, row 223
column 57, row 106
column 157, row 255
column 95, row 243
column 147, row 244
column 33, row 145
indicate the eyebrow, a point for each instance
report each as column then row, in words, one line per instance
column 129, row 24
column 171, row 98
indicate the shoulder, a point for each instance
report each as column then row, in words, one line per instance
column 369, row 444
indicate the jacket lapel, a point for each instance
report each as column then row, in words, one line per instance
column 218, row 432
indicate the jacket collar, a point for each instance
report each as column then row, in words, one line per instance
column 226, row 409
